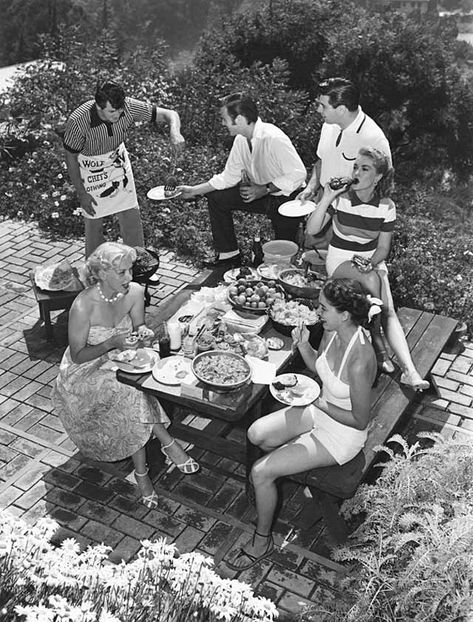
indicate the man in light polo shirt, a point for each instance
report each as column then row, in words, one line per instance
column 98, row 162
column 345, row 130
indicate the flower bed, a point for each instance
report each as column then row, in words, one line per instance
column 40, row 582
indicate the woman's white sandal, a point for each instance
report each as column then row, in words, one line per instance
column 150, row 501
column 417, row 385
column 188, row 467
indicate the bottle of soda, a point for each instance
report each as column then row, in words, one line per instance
column 300, row 241
column 338, row 182
column 257, row 252
column 245, row 181
column 164, row 340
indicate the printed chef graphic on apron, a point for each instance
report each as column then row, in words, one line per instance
column 109, row 179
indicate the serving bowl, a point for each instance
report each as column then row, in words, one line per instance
column 279, row 251
column 221, row 370
column 296, row 283
column 288, row 314
column 253, row 296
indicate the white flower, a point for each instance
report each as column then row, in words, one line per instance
column 60, row 176
column 56, row 193
column 77, row 211
column 56, row 203
column 44, row 195
column 54, row 215
column 63, row 197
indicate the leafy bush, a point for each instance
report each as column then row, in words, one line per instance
column 432, row 257
column 411, row 556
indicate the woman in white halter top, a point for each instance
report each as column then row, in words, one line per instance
column 330, row 431
column 105, row 419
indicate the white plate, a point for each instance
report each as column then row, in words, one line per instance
column 157, row 194
column 231, row 275
column 311, row 390
column 167, row 370
column 270, row 271
column 131, row 369
column 296, row 208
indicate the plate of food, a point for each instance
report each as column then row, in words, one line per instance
column 244, row 272
column 139, row 361
column 253, row 295
column 294, row 389
column 173, row 370
column 221, row 370
column 159, row 194
column 55, row 277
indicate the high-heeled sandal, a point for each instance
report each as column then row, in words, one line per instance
column 385, row 365
column 150, row 501
column 253, row 558
column 418, row 385
column 188, row 467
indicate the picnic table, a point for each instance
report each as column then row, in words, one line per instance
column 227, row 406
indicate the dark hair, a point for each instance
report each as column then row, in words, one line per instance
column 383, row 167
column 348, row 295
column 108, row 91
column 340, row 92
column 240, row 103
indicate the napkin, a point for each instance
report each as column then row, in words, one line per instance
column 262, row 372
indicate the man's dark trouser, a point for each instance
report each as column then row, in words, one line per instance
column 223, row 202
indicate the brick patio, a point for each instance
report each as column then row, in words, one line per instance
column 41, row 471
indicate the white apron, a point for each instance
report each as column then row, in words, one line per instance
column 109, row 179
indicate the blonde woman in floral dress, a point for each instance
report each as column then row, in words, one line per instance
column 108, row 420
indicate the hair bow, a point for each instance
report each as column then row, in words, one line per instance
column 375, row 306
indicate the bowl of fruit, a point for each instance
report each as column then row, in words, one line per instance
column 254, row 296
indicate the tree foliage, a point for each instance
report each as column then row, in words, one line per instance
column 405, row 66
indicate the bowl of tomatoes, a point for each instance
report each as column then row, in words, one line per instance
column 254, row 296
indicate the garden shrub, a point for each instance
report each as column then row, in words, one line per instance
column 410, row 559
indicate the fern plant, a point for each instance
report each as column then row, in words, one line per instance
column 411, row 558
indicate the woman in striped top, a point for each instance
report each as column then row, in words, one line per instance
column 363, row 220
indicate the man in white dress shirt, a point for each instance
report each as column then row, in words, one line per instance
column 275, row 170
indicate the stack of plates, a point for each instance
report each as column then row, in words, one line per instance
column 244, row 322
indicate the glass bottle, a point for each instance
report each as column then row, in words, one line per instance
column 338, row 182
column 245, row 182
column 257, row 252
column 164, row 340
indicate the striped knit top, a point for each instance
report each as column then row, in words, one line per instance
column 86, row 133
column 357, row 225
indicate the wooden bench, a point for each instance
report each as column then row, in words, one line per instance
column 427, row 335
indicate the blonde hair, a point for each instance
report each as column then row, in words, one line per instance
column 107, row 256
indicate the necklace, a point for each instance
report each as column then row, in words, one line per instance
column 103, row 297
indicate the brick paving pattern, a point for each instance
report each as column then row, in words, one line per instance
column 41, row 472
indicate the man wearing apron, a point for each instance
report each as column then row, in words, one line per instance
column 98, row 162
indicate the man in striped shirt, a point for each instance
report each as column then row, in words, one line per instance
column 98, row 162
